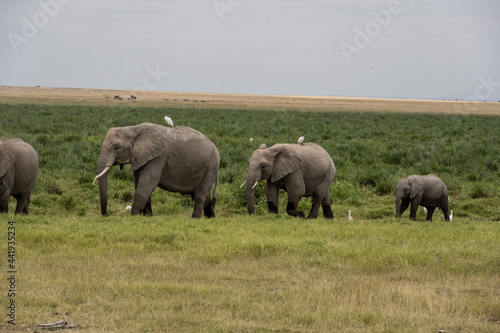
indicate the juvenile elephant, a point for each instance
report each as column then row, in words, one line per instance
column 428, row 191
column 302, row 170
column 18, row 171
column 178, row 159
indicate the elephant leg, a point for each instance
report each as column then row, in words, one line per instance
column 296, row 189
column 208, row 208
column 316, row 202
column 293, row 204
column 272, row 193
column 430, row 212
column 413, row 209
column 4, row 204
column 22, row 204
column 147, row 209
column 145, row 186
column 146, row 179
column 327, row 208
column 314, row 211
column 291, row 210
column 446, row 215
column 199, row 204
column 405, row 202
column 444, row 208
column 327, row 211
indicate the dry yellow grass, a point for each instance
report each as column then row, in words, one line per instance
column 77, row 96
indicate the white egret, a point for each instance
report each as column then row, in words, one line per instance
column 301, row 140
column 169, row 121
column 251, row 139
column 425, row 209
column 350, row 217
column 451, row 215
column 128, row 208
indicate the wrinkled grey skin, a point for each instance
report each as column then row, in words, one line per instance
column 428, row 191
column 3, row 187
column 301, row 170
column 18, row 171
column 178, row 159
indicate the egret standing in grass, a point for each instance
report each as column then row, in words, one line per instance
column 169, row 121
column 451, row 215
column 350, row 217
column 301, row 140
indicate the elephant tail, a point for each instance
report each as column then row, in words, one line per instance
column 214, row 198
column 209, row 210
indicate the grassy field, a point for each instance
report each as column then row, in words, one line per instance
column 260, row 273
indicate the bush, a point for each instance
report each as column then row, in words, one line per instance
column 480, row 190
column 67, row 202
column 342, row 190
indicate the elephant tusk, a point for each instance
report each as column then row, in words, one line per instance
column 243, row 184
column 255, row 184
column 101, row 174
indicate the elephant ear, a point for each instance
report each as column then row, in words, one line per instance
column 286, row 161
column 7, row 158
column 417, row 186
column 149, row 143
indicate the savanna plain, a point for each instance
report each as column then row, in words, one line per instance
column 259, row 273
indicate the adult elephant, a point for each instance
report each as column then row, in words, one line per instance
column 428, row 191
column 18, row 171
column 302, row 170
column 178, row 159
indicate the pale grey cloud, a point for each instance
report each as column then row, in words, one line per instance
column 425, row 49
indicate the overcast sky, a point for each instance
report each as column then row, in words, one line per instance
column 415, row 49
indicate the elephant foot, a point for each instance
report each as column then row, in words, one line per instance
column 272, row 208
column 208, row 210
column 327, row 211
column 291, row 210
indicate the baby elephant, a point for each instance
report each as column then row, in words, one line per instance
column 18, row 171
column 428, row 191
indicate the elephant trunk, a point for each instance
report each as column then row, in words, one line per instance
column 103, row 185
column 399, row 197
column 251, row 182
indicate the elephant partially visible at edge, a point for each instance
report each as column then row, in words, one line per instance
column 18, row 172
column 428, row 191
column 178, row 159
column 302, row 170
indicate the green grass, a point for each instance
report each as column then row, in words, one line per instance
column 261, row 273
column 371, row 151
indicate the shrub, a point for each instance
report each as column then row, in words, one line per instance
column 479, row 190
column 67, row 202
column 342, row 190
